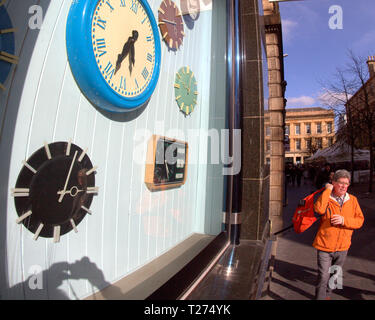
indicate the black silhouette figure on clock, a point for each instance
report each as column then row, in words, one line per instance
column 128, row 49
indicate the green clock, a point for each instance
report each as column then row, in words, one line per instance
column 185, row 90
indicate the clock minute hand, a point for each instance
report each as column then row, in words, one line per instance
column 168, row 21
column 67, row 178
column 166, row 166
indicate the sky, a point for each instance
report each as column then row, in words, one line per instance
column 317, row 44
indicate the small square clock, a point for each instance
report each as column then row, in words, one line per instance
column 166, row 163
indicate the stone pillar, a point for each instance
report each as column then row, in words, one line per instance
column 276, row 105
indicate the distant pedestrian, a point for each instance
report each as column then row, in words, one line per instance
column 299, row 172
column 306, row 176
column 293, row 174
column 341, row 214
column 323, row 176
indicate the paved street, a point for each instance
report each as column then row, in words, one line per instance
column 295, row 270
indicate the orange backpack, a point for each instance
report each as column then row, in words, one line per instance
column 304, row 216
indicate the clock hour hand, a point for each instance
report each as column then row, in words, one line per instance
column 128, row 48
column 187, row 88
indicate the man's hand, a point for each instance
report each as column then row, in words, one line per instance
column 329, row 186
column 337, row 220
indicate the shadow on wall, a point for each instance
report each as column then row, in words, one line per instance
column 46, row 284
column 8, row 123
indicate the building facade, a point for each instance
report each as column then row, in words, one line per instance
column 306, row 131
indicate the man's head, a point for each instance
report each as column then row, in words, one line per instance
column 341, row 182
column 327, row 166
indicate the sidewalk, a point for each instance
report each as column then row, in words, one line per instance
column 295, row 268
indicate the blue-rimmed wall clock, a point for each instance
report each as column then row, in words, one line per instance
column 114, row 52
column 7, row 57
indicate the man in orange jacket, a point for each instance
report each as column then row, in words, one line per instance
column 341, row 214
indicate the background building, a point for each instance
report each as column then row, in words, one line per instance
column 308, row 129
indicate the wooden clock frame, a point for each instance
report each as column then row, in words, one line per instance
column 152, row 165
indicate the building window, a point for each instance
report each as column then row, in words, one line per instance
column 287, row 129
column 298, row 144
column 287, row 146
column 308, row 128
column 330, row 141
column 319, row 143
column 308, row 144
column 268, row 145
column 268, row 131
column 329, row 127
column 318, row 127
column 298, row 129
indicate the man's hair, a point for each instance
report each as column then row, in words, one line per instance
column 341, row 174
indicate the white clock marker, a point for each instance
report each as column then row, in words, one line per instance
column 68, row 147
column 20, row 192
column 28, row 166
column 23, row 217
column 92, row 190
column 73, row 225
column 56, row 234
column 82, row 155
column 91, row 170
column 36, row 235
column 87, row 210
column 48, row 152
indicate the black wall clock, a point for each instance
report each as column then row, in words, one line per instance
column 7, row 57
column 54, row 190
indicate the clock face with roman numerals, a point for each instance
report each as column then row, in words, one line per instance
column 124, row 49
